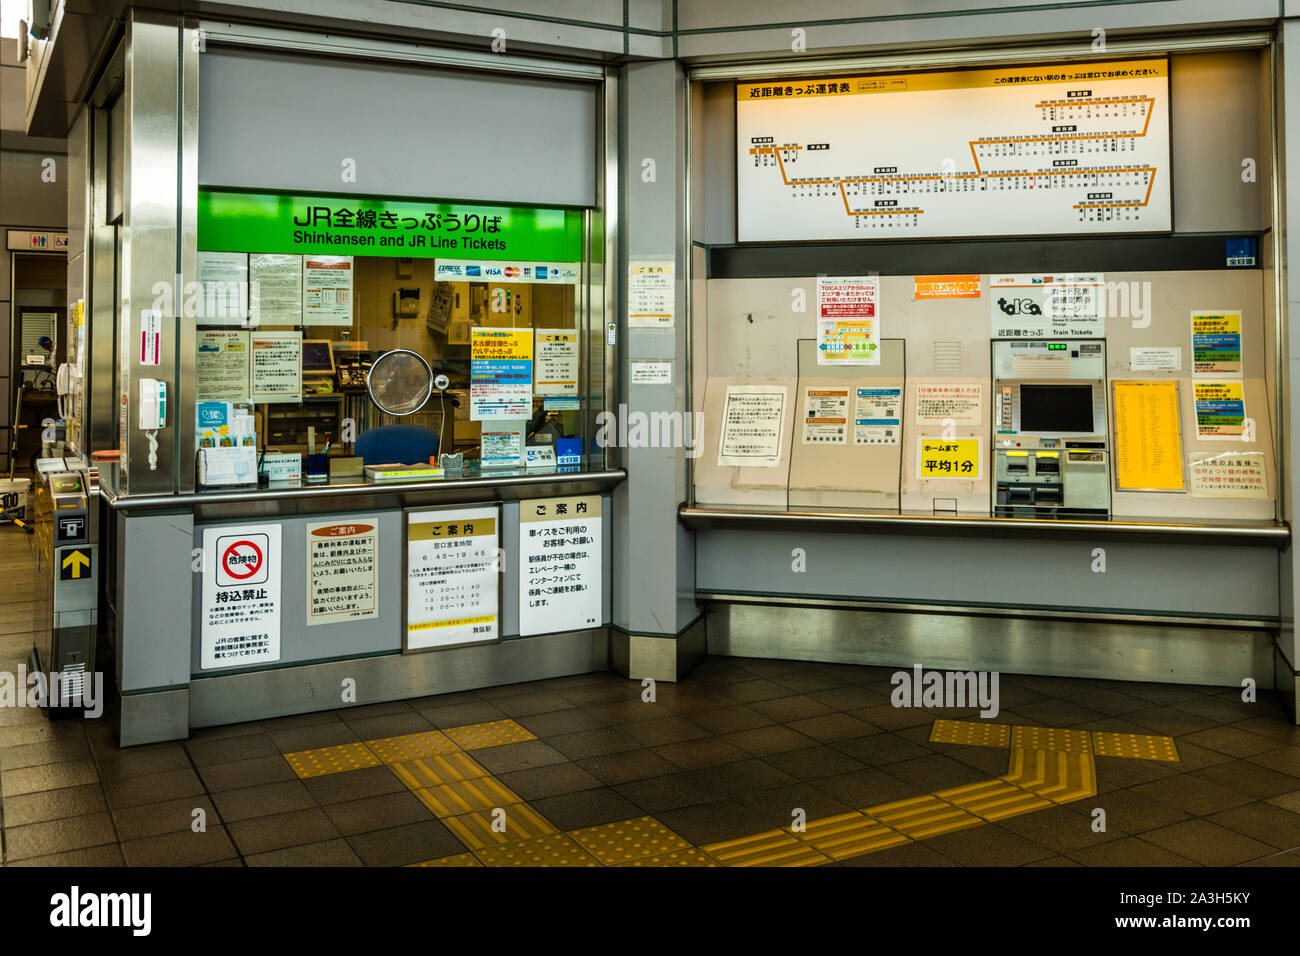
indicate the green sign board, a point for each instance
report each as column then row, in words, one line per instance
column 364, row 226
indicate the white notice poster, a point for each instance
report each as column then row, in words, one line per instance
column 555, row 362
column 222, row 295
column 1227, row 475
column 342, row 570
column 452, row 577
column 825, row 415
column 240, row 616
column 937, row 402
column 878, row 415
column 650, row 298
column 1151, row 359
column 221, row 366
column 752, row 420
column 274, row 289
column 560, row 542
column 327, row 290
column 651, row 373
column 277, row 366
column 1047, row 307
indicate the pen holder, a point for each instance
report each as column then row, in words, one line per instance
column 317, row 465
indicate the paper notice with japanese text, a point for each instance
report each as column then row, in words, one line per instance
column 877, row 415
column 1228, row 475
column 848, row 320
column 1220, row 410
column 825, row 415
column 752, row 421
column 937, row 402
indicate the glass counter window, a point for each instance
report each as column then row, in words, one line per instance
column 386, row 365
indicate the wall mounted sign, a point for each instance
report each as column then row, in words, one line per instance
column 1051, row 149
column 240, row 613
column 231, row 221
column 452, row 577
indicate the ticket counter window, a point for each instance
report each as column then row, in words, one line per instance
column 340, row 365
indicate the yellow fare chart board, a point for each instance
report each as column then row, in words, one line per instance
column 1148, row 437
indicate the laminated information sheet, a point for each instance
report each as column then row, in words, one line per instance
column 452, row 577
column 222, row 370
column 1220, row 410
column 826, row 415
column 1216, row 343
column 877, row 415
column 1148, row 437
column 560, row 545
column 240, row 616
column 848, row 320
column 342, row 570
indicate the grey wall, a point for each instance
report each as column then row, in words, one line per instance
column 288, row 122
column 381, row 635
column 1182, row 580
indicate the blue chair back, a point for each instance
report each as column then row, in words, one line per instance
column 407, row 444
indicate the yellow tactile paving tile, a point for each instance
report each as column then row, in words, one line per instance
column 1057, row 775
column 427, row 743
column 848, row 835
column 687, row 857
column 466, row 796
column 1106, row 743
column 336, row 759
column 460, row 859
column 973, row 733
column 550, row 849
column 921, row 817
column 994, row 799
column 1051, row 738
column 494, row 733
column 626, row 840
column 518, row 822
column 770, row 848
column 438, row 770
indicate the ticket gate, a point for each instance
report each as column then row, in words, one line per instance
column 66, row 544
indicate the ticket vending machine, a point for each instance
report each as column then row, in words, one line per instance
column 1050, row 448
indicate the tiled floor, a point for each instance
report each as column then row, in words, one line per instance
column 708, row 773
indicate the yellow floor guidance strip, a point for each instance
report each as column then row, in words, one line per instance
column 1048, row 766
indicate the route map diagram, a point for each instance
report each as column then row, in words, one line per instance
column 1046, row 150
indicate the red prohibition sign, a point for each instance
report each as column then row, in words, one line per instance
column 250, row 568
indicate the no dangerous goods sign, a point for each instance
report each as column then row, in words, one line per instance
column 240, row 612
column 242, row 559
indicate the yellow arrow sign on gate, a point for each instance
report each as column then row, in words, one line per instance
column 74, row 562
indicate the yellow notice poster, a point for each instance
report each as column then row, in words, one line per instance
column 1148, row 437
column 948, row 458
